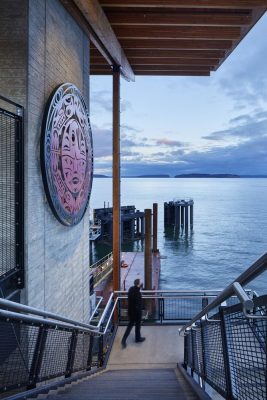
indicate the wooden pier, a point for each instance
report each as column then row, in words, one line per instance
column 180, row 214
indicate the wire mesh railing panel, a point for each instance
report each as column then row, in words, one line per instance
column 81, row 352
column 56, row 351
column 182, row 308
column 198, row 351
column 213, row 356
column 7, row 193
column 246, row 343
column 16, row 353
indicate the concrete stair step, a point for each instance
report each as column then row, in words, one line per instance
column 155, row 384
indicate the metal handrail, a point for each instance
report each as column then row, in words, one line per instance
column 251, row 273
column 45, row 314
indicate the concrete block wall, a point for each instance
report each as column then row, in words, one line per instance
column 57, row 257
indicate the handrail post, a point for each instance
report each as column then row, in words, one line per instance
column 101, row 349
column 229, row 394
column 90, row 353
column 71, row 354
column 37, row 357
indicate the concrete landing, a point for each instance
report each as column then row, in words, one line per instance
column 163, row 348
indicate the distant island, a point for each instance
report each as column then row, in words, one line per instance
column 152, row 176
column 207, row 176
column 101, row 176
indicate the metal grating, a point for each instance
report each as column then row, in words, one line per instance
column 198, row 353
column 246, row 342
column 11, row 195
column 56, row 352
column 82, row 352
column 7, row 193
column 17, row 353
column 213, row 356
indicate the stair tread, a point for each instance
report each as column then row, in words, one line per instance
column 131, row 384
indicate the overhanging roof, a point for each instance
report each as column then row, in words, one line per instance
column 172, row 37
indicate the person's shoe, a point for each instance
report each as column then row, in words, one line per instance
column 123, row 344
column 141, row 339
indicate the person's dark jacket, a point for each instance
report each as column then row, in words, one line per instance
column 134, row 303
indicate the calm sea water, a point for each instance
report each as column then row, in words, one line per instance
column 230, row 227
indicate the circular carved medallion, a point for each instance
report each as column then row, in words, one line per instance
column 67, row 154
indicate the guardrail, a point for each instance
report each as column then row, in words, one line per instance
column 37, row 346
column 227, row 351
column 102, row 268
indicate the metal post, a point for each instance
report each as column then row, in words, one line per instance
column 37, row 357
column 229, row 393
column 148, row 253
column 155, row 227
column 116, row 239
column 71, row 354
column 90, row 353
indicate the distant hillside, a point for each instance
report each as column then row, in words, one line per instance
column 101, row 176
column 153, row 176
column 207, row 176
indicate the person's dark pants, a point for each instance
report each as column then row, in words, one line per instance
column 137, row 324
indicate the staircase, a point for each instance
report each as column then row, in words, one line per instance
column 144, row 384
column 142, row 371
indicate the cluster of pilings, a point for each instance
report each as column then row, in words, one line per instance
column 180, row 214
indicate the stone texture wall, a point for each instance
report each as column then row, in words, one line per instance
column 57, row 257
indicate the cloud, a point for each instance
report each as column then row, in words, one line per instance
column 243, row 76
column 168, row 142
column 102, row 99
column 248, row 127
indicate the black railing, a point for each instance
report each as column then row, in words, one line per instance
column 34, row 349
column 227, row 351
column 170, row 307
column 11, row 197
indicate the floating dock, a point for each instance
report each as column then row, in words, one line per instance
column 131, row 269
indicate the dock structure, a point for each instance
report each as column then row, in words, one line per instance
column 132, row 223
column 180, row 214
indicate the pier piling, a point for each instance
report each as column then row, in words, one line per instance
column 155, row 227
column 179, row 214
column 148, row 252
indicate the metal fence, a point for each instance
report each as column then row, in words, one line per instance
column 36, row 349
column 229, row 352
column 170, row 307
column 11, row 195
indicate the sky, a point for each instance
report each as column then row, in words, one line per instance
column 181, row 125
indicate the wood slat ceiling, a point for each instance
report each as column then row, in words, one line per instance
column 175, row 37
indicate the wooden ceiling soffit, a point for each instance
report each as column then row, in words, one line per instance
column 169, row 33
column 92, row 19
column 176, row 44
column 227, row 4
column 177, row 32
column 203, row 18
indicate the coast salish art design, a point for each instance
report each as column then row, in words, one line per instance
column 67, row 155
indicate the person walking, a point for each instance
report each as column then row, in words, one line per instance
column 134, row 313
